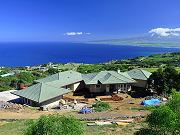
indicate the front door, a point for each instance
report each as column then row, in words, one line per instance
column 107, row 88
column 112, row 87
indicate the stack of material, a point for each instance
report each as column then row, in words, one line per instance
column 106, row 98
column 13, row 107
column 108, row 122
column 100, row 123
column 124, row 122
column 116, row 98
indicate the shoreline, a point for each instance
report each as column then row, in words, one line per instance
column 136, row 45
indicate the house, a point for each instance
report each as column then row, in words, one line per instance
column 40, row 68
column 11, row 73
column 48, row 91
column 7, row 74
column 107, row 82
column 140, row 76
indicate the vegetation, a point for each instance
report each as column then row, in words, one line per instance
column 16, row 127
column 52, row 71
column 151, row 63
column 25, row 78
column 3, row 72
column 101, row 106
column 54, row 125
column 89, row 68
column 164, row 120
column 12, row 128
column 164, row 80
column 172, row 59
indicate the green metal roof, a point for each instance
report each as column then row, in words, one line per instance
column 139, row 74
column 107, row 77
column 41, row 92
column 62, row 78
column 51, row 86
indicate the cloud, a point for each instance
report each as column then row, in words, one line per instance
column 87, row 33
column 165, row 32
column 76, row 33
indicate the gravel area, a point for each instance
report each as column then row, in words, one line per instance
column 108, row 115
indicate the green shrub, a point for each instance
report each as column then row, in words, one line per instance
column 165, row 119
column 101, row 106
column 162, row 120
column 145, row 131
column 54, row 125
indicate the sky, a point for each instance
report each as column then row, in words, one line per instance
column 84, row 20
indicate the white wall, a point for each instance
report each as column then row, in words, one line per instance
column 76, row 85
column 52, row 102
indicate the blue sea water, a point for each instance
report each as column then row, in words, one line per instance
column 23, row 54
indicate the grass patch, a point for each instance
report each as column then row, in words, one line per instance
column 101, row 106
column 149, row 108
column 16, row 127
column 12, row 128
column 113, row 129
column 155, row 69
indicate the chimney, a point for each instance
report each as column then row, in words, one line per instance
column 119, row 71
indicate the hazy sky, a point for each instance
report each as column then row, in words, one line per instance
column 69, row 20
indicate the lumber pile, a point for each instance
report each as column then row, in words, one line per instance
column 121, row 122
column 116, row 98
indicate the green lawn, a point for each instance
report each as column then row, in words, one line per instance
column 155, row 69
column 12, row 128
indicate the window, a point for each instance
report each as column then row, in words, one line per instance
column 98, row 86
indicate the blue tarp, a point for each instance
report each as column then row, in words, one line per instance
column 85, row 110
column 153, row 101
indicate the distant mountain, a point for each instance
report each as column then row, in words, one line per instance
column 143, row 41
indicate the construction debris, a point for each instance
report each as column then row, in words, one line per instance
column 111, row 121
column 122, row 123
column 127, row 120
column 13, row 106
column 10, row 106
column 116, row 98
column 100, row 123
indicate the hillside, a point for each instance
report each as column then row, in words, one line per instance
column 156, row 60
column 143, row 41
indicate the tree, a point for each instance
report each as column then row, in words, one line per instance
column 157, row 81
column 162, row 120
column 174, row 102
column 54, row 125
column 52, row 71
column 25, row 77
column 164, row 80
column 170, row 74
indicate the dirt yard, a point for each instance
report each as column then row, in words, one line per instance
column 126, row 107
column 27, row 113
column 12, row 121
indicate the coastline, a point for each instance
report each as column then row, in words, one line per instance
column 27, row 54
column 137, row 45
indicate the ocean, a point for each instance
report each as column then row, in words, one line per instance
column 28, row 54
